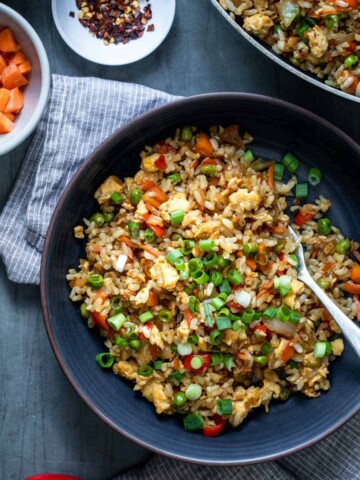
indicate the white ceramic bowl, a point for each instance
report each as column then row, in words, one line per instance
column 79, row 38
column 37, row 90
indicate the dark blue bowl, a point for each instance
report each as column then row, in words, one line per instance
column 278, row 127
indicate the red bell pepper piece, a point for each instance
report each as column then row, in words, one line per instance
column 157, row 229
column 160, row 162
column 187, row 362
column 188, row 316
column 208, row 161
column 100, row 320
column 217, row 429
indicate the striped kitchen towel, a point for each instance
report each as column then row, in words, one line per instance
column 80, row 114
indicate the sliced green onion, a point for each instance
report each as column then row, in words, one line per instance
column 223, row 323
column 223, row 263
column 145, row 317
column 194, row 304
column 266, row 348
column 223, row 296
column 177, row 217
column 278, row 172
column 98, row 219
column 173, row 256
column 120, row 341
column 224, row 312
column 321, row 349
column 291, row 162
column 185, row 274
column 262, row 360
column 117, row 198
column 229, row 362
column 130, row 329
column 109, row 216
column 186, row 134
column 293, row 260
column 292, row 364
column 332, row 22
column 224, row 407
column 193, row 421
column 193, row 339
column 180, row 264
column 200, row 277
column 216, row 278
column 84, row 313
column 135, row 343
column 217, row 303
column 294, row 317
column 174, row 178
column 189, row 289
column 105, row 360
column 207, row 245
column 145, row 370
column 195, row 264
column 116, row 303
column 196, row 362
column 225, row 287
column 116, row 321
column 149, row 235
column 95, row 280
column 165, row 316
column 235, row 277
column 210, row 260
column 179, row 399
column 284, row 291
column 187, row 246
column 248, row 315
column 283, row 281
column 314, row 176
column 135, row 195
column 184, row 349
column 301, row 190
column 209, row 321
column 238, row 325
column 208, row 170
column 251, row 248
column 216, row 359
column 177, row 376
column 248, row 156
column 158, row 364
column 216, row 337
column 134, row 230
column 193, row 391
column 280, row 245
column 283, row 313
column 270, row 313
column 324, row 226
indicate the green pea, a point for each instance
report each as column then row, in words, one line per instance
column 117, row 198
column 95, row 280
column 324, row 284
column 98, row 218
column 84, row 313
column 179, row 399
column 135, row 195
column 332, row 22
column 343, row 247
column 351, row 61
column 109, row 216
column 186, row 134
column 135, row 343
column 324, row 226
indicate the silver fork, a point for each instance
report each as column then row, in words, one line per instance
column 348, row 327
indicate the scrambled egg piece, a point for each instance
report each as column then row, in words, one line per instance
column 245, row 200
column 258, row 24
column 155, row 392
column 126, row 369
column 296, row 287
column 317, row 41
column 337, row 347
column 155, row 337
column 141, row 297
column 148, row 163
column 112, row 184
column 164, row 274
column 176, row 202
column 183, row 331
column 261, row 4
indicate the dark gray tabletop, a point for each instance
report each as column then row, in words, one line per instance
column 44, row 426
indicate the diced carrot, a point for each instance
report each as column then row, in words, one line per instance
column 151, row 250
column 6, row 125
column 328, row 266
column 25, row 68
column 147, row 185
column 102, row 295
column 10, row 116
column 4, row 98
column 351, row 288
column 3, row 63
column 326, row 316
column 270, row 176
column 153, row 299
column 12, row 78
column 155, row 196
column 188, row 316
column 203, row 145
column 208, row 161
column 355, row 274
column 288, row 352
column 100, row 320
column 250, row 262
column 15, row 102
column 7, row 41
column 177, row 363
column 18, row 58
column 278, row 229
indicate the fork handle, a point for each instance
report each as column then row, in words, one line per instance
column 348, row 327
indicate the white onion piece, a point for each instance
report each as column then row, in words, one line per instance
column 283, row 328
column 243, row 298
column 120, row 263
column 184, row 349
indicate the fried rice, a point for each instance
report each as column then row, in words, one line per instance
column 322, row 37
column 190, row 277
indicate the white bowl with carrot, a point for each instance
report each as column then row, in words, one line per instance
column 24, row 79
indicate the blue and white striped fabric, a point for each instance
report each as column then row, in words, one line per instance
column 80, row 114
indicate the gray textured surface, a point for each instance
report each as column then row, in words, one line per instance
column 44, row 425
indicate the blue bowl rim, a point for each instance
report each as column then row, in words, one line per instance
column 107, row 144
